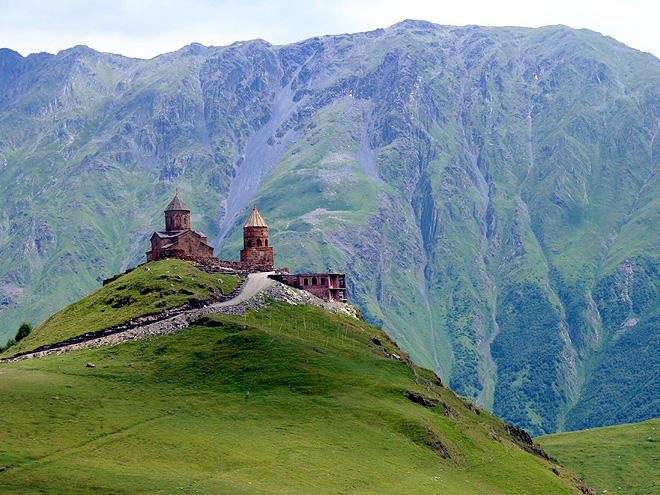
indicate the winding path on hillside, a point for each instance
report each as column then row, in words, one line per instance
column 255, row 283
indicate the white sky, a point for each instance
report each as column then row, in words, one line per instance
column 146, row 28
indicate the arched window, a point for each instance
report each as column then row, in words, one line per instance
column 313, row 280
column 266, row 243
column 306, row 282
column 258, row 242
column 250, row 243
column 322, row 281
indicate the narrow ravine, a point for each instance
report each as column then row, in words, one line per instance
column 487, row 395
column 367, row 156
column 421, row 282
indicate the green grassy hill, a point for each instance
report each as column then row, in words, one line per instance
column 617, row 459
column 287, row 399
column 149, row 289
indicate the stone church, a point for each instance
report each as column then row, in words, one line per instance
column 180, row 241
column 178, row 238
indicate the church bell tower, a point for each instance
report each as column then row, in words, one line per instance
column 177, row 215
column 256, row 252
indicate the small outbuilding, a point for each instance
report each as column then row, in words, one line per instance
column 327, row 286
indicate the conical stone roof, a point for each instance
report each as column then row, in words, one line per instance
column 177, row 204
column 255, row 220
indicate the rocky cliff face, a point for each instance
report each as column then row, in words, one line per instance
column 491, row 191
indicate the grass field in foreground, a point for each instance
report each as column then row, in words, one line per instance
column 328, row 412
column 622, row 459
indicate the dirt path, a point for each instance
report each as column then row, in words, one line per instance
column 256, row 283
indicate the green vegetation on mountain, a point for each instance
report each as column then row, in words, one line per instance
column 613, row 459
column 491, row 192
column 287, row 399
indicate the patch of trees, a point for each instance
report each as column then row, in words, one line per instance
column 23, row 331
column 527, row 352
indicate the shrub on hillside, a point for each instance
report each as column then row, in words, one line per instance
column 23, row 331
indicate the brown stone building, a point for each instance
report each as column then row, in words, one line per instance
column 178, row 239
column 327, row 286
column 256, row 252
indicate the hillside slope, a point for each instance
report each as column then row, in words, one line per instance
column 616, row 459
column 493, row 192
column 150, row 289
column 286, row 399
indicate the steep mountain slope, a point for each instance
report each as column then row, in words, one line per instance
column 492, row 192
column 286, row 399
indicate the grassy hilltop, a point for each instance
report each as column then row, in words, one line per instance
column 287, row 399
column 148, row 289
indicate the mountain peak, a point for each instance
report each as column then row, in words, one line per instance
column 77, row 50
column 416, row 24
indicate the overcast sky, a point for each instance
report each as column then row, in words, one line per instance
column 146, row 28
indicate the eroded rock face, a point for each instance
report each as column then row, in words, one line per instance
column 489, row 191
